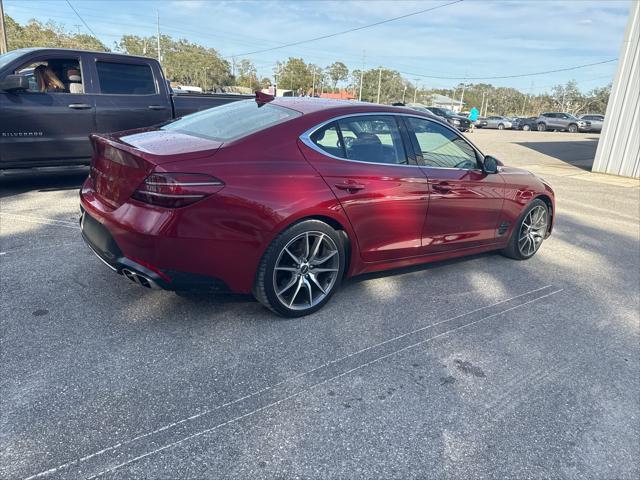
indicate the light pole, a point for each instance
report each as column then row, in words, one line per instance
column 4, row 47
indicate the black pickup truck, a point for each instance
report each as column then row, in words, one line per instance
column 51, row 99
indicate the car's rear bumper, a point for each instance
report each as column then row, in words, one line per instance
column 99, row 239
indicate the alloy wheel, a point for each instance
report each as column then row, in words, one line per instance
column 532, row 231
column 306, row 270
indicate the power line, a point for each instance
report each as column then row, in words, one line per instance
column 82, row 19
column 330, row 35
column 514, row 76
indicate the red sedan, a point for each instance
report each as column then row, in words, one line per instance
column 285, row 197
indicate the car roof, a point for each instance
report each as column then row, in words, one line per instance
column 307, row 105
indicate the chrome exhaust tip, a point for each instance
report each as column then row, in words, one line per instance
column 140, row 279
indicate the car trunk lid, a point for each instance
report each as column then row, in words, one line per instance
column 121, row 163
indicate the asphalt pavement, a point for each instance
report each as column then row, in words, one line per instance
column 482, row 367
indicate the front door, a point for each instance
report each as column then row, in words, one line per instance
column 50, row 122
column 384, row 194
column 465, row 202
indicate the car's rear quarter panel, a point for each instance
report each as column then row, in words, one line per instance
column 268, row 186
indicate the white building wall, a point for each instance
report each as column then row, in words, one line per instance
column 618, row 150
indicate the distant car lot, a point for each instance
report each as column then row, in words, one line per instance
column 479, row 367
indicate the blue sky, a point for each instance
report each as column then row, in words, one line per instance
column 474, row 38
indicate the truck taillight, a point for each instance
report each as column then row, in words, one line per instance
column 173, row 190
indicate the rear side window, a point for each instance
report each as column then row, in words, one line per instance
column 125, row 78
column 328, row 139
column 232, row 121
column 374, row 139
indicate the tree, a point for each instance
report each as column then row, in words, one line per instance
column 393, row 88
column 247, row 75
column 337, row 72
column 568, row 98
column 50, row 34
column 598, row 99
column 183, row 62
column 294, row 74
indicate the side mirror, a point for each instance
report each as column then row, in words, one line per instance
column 12, row 83
column 490, row 164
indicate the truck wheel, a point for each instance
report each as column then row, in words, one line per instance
column 573, row 128
column 542, row 127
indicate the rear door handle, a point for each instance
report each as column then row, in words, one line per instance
column 443, row 187
column 350, row 187
column 157, row 107
column 80, row 106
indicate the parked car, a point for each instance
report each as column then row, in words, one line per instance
column 595, row 120
column 562, row 121
column 86, row 92
column 285, row 197
column 481, row 122
column 525, row 123
column 498, row 122
column 455, row 120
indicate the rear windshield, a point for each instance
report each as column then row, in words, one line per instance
column 232, row 121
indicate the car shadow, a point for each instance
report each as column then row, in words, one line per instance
column 16, row 182
column 579, row 153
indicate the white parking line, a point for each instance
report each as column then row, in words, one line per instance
column 294, row 377
column 208, row 430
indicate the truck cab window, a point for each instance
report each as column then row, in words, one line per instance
column 59, row 75
column 125, row 79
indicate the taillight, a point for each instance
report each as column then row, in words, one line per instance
column 173, row 190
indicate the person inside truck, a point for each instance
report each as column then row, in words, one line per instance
column 47, row 80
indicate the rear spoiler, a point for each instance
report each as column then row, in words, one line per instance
column 262, row 98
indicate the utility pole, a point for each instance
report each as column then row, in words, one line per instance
column 415, row 92
column 361, row 76
column 4, row 47
column 404, row 92
column 313, row 86
column 482, row 103
column 462, row 96
column 379, row 83
column 158, row 36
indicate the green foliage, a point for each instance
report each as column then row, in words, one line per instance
column 50, row 34
column 247, row 75
column 393, row 88
column 337, row 72
column 183, row 62
column 294, row 74
column 509, row 101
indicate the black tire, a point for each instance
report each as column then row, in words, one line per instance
column 501, row 127
column 512, row 249
column 526, row 128
column 265, row 287
column 573, row 128
column 542, row 127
